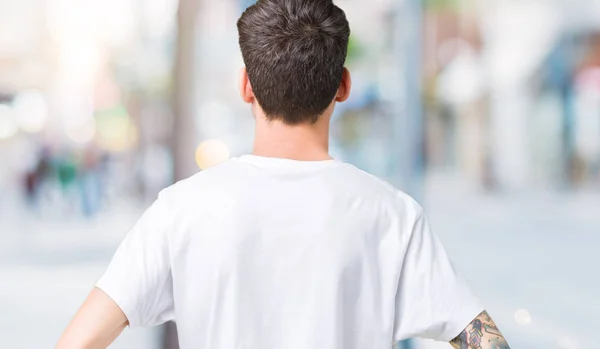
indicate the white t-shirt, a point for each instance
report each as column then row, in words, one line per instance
column 266, row 253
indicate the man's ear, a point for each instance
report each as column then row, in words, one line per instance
column 345, row 87
column 245, row 88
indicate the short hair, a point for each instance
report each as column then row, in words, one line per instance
column 294, row 52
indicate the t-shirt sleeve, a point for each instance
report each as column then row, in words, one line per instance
column 139, row 277
column 433, row 300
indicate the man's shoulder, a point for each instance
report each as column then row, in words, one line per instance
column 369, row 183
column 233, row 177
column 200, row 183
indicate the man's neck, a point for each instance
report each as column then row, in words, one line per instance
column 301, row 142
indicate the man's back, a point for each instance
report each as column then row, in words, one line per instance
column 270, row 252
column 276, row 253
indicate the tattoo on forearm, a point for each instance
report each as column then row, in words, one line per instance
column 482, row 333
column 493, row 330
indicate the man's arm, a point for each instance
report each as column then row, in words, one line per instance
column 96, row 325
column 482, row 333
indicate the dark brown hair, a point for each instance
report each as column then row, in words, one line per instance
column 294, row 51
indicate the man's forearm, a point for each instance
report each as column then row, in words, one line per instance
column 96, row 325
column 482, row 333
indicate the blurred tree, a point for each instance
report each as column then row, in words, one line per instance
column 355, row 50
column 183, row 138
column 182, row 141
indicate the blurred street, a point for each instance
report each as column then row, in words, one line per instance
column 531, row 252
column 47, row 269
column 493, row 239
column 487, row 112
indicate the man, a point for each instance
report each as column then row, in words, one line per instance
column 286, row 248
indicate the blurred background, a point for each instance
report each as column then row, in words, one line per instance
column 487, row 111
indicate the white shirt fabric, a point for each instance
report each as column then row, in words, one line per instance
column 267, row 253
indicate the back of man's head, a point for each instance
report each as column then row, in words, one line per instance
column 294, row 51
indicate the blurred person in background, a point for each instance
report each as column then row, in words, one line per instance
column 287, row 247
column 67, row 172
column 90, row 181
column 35, row 178
column 77, row 175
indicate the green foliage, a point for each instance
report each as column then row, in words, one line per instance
column 355, row 49
column 441, row 4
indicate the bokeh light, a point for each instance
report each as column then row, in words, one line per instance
column 82, row 133
column 8, row 125
column 31, row 111
column 211, row 153
column 113, row 125
column 523, row 317
column 115, row 130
